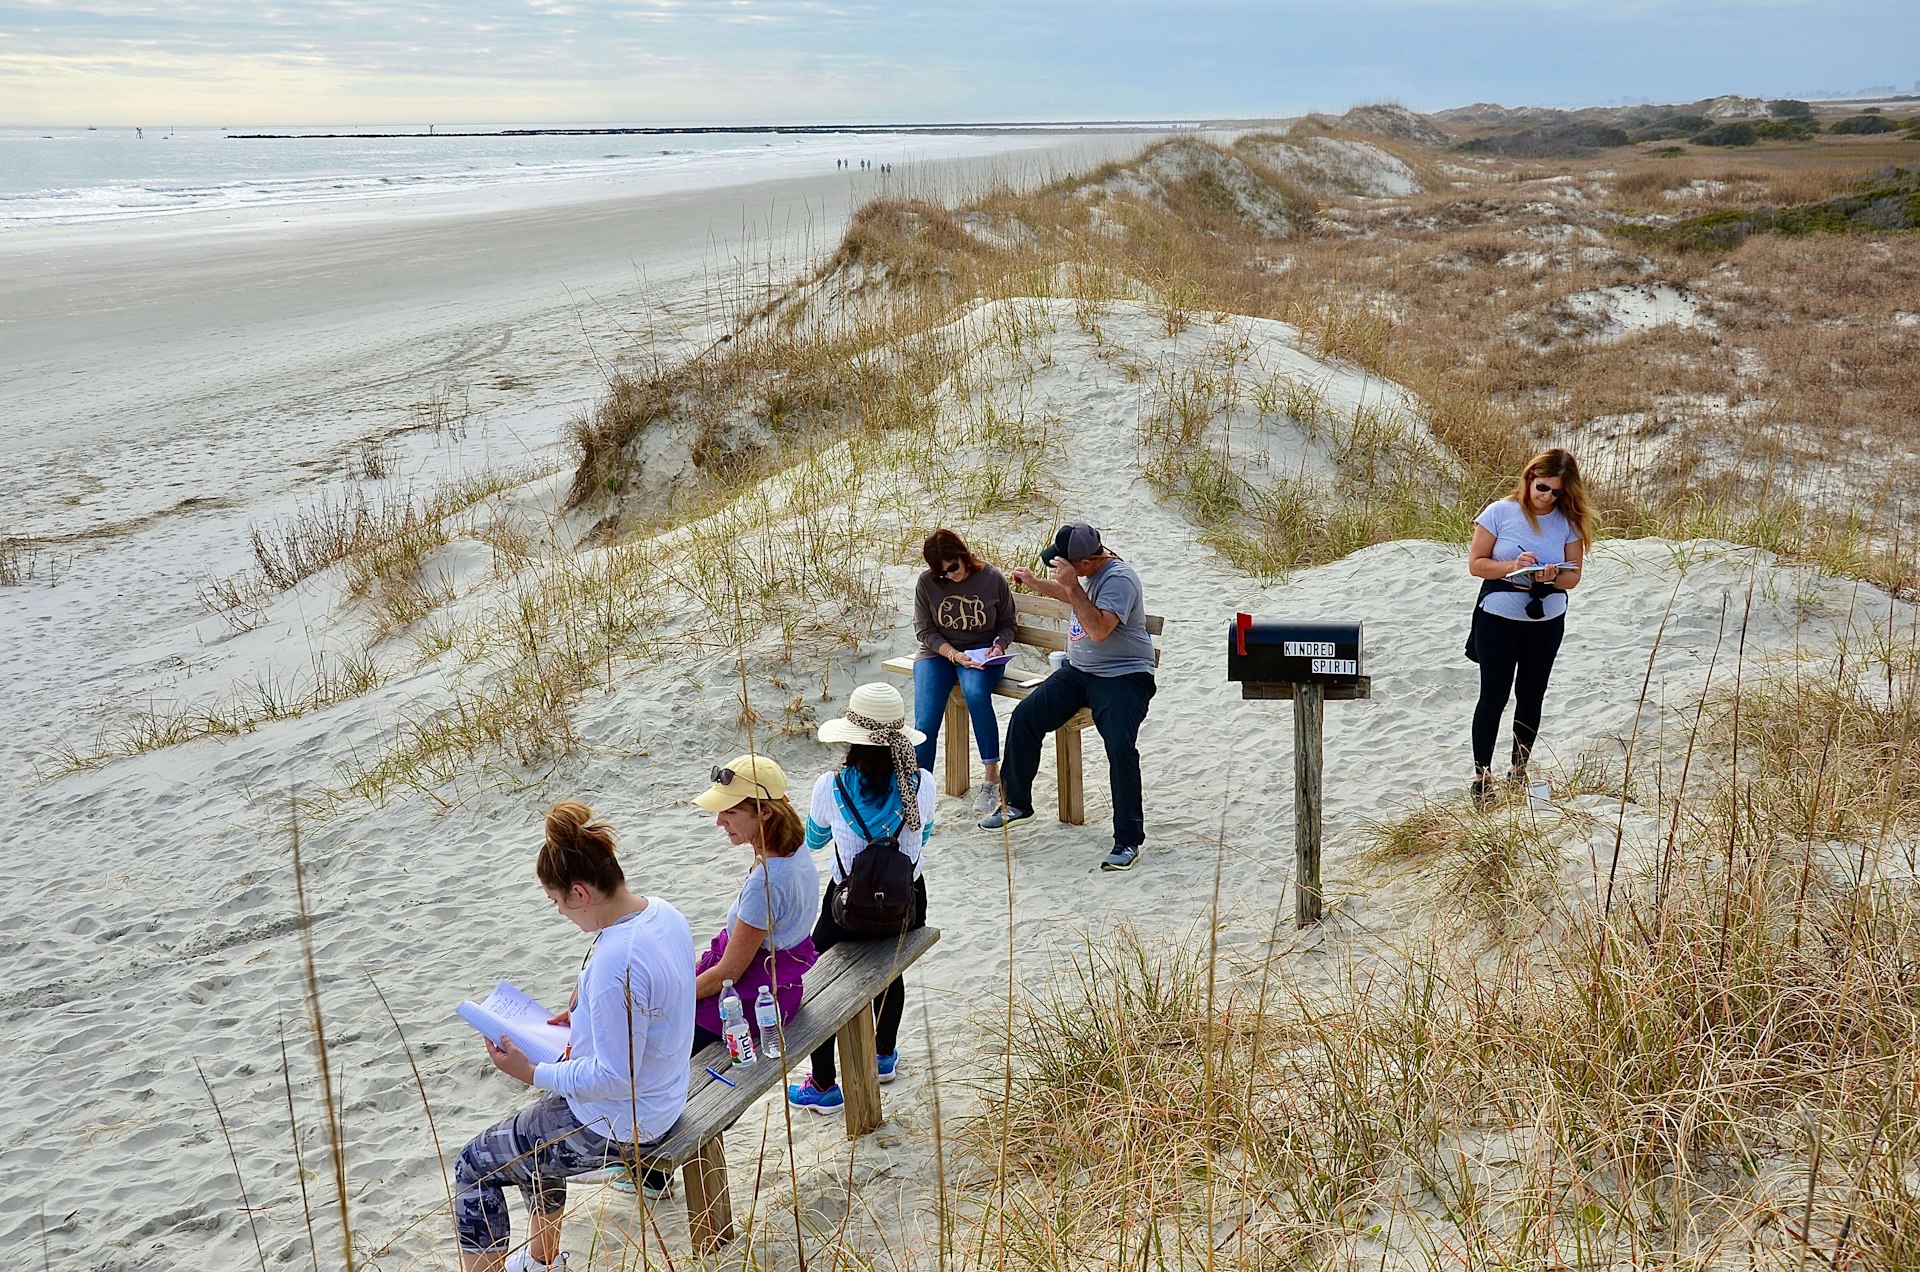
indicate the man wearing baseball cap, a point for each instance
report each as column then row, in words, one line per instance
column 1109, row 671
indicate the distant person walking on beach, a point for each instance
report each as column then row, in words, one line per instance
column 1542, row 528
column 960, row 605
column 879, row 790
column 1109, row 670
column 623, row 1081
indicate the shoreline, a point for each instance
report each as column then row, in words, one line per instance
column 1043, row 128
column 129, row 339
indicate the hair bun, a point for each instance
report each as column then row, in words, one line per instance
column 565, row 819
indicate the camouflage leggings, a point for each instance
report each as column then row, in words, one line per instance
column 535, row 1150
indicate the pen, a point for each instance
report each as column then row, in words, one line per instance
column 715, row 1073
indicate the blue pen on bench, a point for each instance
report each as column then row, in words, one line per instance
column 715, row 1073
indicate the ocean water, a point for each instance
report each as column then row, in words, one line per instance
column 81, row 176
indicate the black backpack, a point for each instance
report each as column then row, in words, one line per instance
column 877, row 897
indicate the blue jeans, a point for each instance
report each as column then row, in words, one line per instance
column 933, row 681
column 1119, row 705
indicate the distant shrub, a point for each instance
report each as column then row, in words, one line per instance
column 1789, row 108
column 1556, row 140
column 1799, row 128
column 1888, row 200
column 1861, row 124
column 1735, row 132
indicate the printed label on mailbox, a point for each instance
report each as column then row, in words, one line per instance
column 1335, row 667
column 1306, row 649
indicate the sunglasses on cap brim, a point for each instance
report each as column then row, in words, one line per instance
column 727, row 777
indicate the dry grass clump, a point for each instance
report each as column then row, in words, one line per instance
column 19, row 561
column 382, row 540
column 1153, row 1117
column 265, row 698
column 1711, row 1068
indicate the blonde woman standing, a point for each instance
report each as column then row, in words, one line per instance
column 1542, row 528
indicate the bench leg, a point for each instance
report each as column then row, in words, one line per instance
column 959, row 733
column 709, row 1208
column 1066, row 763
column 859, row 1081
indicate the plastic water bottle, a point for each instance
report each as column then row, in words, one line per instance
column 766, row 1013
column 733, row 1026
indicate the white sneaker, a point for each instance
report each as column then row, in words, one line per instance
column 522, row 1260
column 988, row 800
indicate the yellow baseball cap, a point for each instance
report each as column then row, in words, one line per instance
column 749, row 777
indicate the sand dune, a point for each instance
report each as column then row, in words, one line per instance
column 150, row 916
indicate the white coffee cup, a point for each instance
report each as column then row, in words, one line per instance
column 1058, row 658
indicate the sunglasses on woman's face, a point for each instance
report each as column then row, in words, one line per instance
column 1551, row 491
column 727, row 777
column 952, row 568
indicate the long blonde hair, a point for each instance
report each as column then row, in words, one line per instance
column 1573, row 493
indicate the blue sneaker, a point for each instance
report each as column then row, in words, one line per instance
column 1004, row 816
column 1121, row 858
column 808, row 1096
column 889, row 1067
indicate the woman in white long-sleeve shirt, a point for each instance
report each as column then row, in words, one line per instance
column 623, row 1081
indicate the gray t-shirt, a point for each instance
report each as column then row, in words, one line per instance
column 795, row 885
column 1128, row 648
column 1504, row 520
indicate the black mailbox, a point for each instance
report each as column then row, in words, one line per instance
column 1269, row 656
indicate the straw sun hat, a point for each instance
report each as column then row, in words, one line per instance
column 880, row 704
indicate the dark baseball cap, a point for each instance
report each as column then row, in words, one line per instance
column 1075, row 541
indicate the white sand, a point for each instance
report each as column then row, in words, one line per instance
column 149, row 907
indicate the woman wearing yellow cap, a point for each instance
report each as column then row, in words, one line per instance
column 768, row 937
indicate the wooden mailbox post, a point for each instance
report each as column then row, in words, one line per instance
column 1313, row 664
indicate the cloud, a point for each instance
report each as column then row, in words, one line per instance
column 726, row 60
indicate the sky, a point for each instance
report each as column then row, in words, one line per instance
column 215, row 62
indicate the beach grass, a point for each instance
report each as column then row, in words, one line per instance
column 1669, row 1022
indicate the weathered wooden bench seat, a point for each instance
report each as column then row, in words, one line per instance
column 841, row 988
column 1042, row 625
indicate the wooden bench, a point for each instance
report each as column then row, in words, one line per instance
column 841, row 988
column 1041, row 622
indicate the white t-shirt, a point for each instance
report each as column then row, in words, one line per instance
column 1505, row 521
column 826, row 813
column 651, row 955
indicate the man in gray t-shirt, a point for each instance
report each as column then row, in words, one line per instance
column 1109, row 671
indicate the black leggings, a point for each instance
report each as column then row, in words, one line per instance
column 1515, row 658
column 888, row 1008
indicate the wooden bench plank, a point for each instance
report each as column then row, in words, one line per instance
column 848, row 976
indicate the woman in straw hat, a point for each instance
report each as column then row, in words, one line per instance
column 880, row 784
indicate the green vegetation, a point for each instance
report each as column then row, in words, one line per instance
column 1548, row 141
column 1887, row 200
column 1799, row 128
column 1734, row 132
column 1862, row 125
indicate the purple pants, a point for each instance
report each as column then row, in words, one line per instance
column 782, row 970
